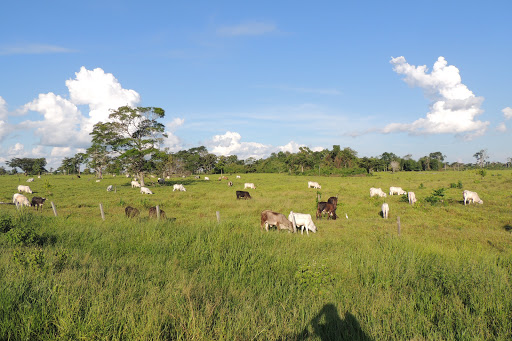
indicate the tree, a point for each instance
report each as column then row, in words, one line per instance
column 28, row 165
column 98, row 158
column 481, row 157
column 395, row 166
column 133, row 133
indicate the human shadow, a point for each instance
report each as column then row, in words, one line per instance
column 328, row 325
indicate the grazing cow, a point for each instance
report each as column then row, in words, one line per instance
column 412, row 197
column 38, row 202
column 178, row 187
column 109, row 188
column 98, row 180
column 131, row 212
column 14, row 197
column 471, row 197
column 378, row 192
column 275, row 219
column 303, row 220
column 21, row 200
column 385, row 210
column 197, row 177
column 249, row 185
column 30, row 179
column 145, row 190
column 243, row 195
column 26, row 189
column 313, row 184
column 152, row 213
column 397, row 190
column 238, row 176
column 135, row 183
column 230, row 183
column 161, row 181
column 325, row 207
column 206, row 178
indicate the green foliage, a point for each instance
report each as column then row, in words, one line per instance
column 482, row 172
column 421, row 186
column 314, row 277
column 456, row 185
column 404, row 198
column 24, row 231
column 436, row 197
column 6, row 223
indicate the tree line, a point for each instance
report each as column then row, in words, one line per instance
column 130, row 143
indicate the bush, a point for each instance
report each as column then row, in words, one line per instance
column 6, row 223
column 24, row 230
column 436, row 197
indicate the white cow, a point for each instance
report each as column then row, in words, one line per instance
column 30, row 180
column 178, row 187
column 21, row 200
column 471, row 197
column 206, row 178
column 377, row 191
column 145, row 190
column 303, row 220
column 135, row 183
column 412, row 197
column 313, row 184
column 385, row 210
column 397, row 190
column 238, row 176
column 98, row 180
column 22, row 188
column 15, row 196
column 249, row 185
column 109, row 188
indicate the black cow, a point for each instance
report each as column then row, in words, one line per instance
column 38, row 202
column 243, row 195
column 131, row 212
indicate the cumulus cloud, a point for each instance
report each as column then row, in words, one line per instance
column 172, row 141
column 62, row 123
column 101, row 92
column 61, row 151
column 454, row 107
column 231, row 143
column 4, row 127
column 507, row 112
column 247, row 29
column 16, row 149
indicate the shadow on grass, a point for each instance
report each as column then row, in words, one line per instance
column 328, row 325
column 508, row 227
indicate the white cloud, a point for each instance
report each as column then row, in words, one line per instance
column 172, row 141
column 4, row 127
column 101, row 92
column 231, row 144
column 61, row 151
column 501, row 127
column 34, row 49
column 16, row 149
column 247, row 29
column 454, row 107
column 507, row 112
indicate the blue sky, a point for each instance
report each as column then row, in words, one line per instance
column 408, row 77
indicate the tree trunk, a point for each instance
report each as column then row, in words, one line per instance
column 141, row 178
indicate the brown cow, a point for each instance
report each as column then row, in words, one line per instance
column 131, row 212
column 152, row 213
column 325, row 207
column 275, row 219
column 243, row 195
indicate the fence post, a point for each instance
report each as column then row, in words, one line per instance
column 157, row 212
column 54, row 209
column 218, row 216
column 102, row 213
column 398, row 222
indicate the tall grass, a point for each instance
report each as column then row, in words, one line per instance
column 447, row 276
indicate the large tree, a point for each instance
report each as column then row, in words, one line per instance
column 133, row 134
column 481, row 157
column 28, row 165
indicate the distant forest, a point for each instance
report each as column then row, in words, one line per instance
column 198, row 160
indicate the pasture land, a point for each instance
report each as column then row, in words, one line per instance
column 446, row 276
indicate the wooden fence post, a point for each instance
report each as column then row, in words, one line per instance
column 157, row 212
column 398, row 222
column 218, row 216
column 54, row 209
column 102, row 213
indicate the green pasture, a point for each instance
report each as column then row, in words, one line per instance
column 446, row 276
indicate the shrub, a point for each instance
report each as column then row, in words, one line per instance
column 24, row 230
column 6, row 223
column 436, row 197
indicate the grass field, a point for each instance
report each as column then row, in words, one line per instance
column 446, row 276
